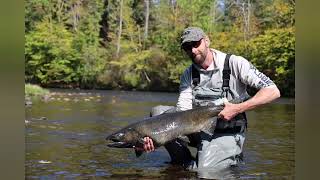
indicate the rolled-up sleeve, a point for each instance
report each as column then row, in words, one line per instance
column 185, row 91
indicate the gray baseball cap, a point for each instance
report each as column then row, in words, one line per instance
column 192, row 34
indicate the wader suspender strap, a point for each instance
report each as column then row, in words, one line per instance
column 226, row 88
column 195, row 76
column 226, row 76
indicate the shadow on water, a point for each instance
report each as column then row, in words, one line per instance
column 65, row 139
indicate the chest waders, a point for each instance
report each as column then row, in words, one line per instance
column 222, row 150
column 239, row 122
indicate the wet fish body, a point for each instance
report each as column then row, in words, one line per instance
column 166, row 127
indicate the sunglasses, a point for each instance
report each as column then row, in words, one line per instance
column 189, row 45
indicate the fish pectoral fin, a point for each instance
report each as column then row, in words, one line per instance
column 139, row 147
column 138, row 153
column 184, row 138
column 140, row 142
column 207, row 131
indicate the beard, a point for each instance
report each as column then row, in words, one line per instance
column 199, row 58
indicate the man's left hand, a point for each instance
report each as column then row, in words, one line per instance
column 229, row 111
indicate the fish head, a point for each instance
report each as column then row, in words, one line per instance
column 125, row 138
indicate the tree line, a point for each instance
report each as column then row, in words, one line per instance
column 135, row 44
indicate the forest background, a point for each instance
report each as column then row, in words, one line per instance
column 135, row 45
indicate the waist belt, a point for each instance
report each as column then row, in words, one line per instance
column 235, row 125
column 236, row 129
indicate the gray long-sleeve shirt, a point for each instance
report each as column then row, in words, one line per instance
column 242, row 73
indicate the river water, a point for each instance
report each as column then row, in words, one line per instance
column 65, row 138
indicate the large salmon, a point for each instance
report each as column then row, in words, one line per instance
column 169, row 126
column 166, row 127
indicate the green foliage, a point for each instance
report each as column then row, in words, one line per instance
column 142, row 70
column 35, row 11
column 49, row 55
column 57, row 53
column 132, row 66
column 87, row 43
column 281, row 13
column 64, row 43
column 274, row 54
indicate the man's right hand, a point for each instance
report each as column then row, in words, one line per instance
column 147, row 146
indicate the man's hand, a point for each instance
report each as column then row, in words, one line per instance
column 263, row 96
column 147, row 146
column 229, row 111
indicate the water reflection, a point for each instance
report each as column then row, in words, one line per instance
column 65, row 139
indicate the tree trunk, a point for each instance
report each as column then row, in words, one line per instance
column 146, row 25
column 75, row 11
column 120, row 29
column 245, row 7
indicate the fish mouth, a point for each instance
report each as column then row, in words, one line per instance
column 120, row 144
column 113, row 138
column 116, row 143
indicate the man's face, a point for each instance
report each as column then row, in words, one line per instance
column 196, row 50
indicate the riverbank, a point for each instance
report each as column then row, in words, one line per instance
column 35, row 90
column 32, row 90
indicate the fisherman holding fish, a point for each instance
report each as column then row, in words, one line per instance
column 215, row 75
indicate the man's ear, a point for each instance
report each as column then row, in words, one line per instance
column 207, row 41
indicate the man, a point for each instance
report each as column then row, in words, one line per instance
column 214, row 75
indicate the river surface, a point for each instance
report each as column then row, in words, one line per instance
column 65, row 138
